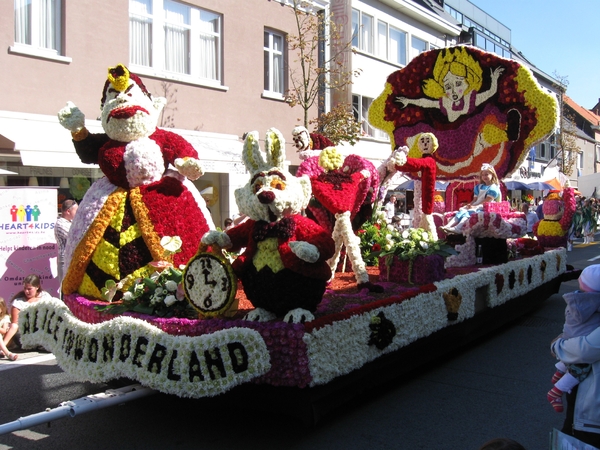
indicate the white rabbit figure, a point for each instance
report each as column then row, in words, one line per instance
column 283, row 268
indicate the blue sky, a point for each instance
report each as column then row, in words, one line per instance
column 556, row 36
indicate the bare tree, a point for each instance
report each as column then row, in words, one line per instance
column 167, row 115
column 318, row 65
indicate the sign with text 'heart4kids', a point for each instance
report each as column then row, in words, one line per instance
column 27, row 242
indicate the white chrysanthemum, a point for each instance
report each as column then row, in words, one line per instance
column 171, row 286
column 170, row 299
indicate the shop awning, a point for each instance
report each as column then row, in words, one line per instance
column 41, row 140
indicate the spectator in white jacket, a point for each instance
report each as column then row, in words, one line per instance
column 583, row 414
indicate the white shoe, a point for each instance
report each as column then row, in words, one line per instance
column 569, row 247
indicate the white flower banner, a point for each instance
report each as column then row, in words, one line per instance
column 187, row 366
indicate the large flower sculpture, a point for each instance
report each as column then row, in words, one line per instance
column 283, row 268
column 361, row 209
column 123, row 216
column 482, row 108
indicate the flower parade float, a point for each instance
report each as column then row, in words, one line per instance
column 294, row 343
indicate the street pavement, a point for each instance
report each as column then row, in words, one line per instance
column 495, row 387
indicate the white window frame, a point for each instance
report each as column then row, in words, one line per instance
column 274, row 77
column 363, row 37
column 414, row 51
column 405, row 55
column 360, row 107
column 29, row 38
column 152, row 58
column 382, row 39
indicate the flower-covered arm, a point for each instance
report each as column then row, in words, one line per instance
column 240, row 235
column 428, row 169
column 86, row 145
column 88, row 148
column 484, row 96
column 179, row 152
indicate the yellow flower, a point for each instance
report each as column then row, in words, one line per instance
column 550, row 228
column 331, row 159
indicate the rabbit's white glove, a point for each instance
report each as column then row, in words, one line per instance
column 72, row 118
column 189, row 167
column 217, row 237
column 305, row 251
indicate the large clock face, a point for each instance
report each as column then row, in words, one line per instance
column 209, row 284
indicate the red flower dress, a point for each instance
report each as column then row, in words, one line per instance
column 123, row 216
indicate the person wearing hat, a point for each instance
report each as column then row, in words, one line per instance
column 578, row 352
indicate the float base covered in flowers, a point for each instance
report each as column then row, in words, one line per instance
column 352, row 331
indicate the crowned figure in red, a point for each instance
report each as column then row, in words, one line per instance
column 145, row 195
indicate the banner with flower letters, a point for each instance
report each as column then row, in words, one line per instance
column 127, row 347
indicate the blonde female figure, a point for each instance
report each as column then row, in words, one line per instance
column 487, row 191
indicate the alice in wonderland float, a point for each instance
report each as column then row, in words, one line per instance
column 150, row 295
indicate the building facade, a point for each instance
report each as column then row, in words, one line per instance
column 223, row 65
column 219, row 64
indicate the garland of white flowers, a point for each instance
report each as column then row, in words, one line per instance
column 213, row 363
column 341, row 347
column 187, row 366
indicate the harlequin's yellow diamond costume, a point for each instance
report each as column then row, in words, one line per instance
column 124, row 215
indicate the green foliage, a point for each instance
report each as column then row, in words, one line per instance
column 338, row 125
column 379, row 239
column 160, row 294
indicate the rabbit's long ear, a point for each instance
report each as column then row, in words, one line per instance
column 275, row 150
column 252, row 157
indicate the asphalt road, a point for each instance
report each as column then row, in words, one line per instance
column 493, row 388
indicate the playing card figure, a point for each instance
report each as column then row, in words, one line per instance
column 342, row 192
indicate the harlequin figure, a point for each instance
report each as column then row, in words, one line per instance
column 552, row 230
column 124, row 215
